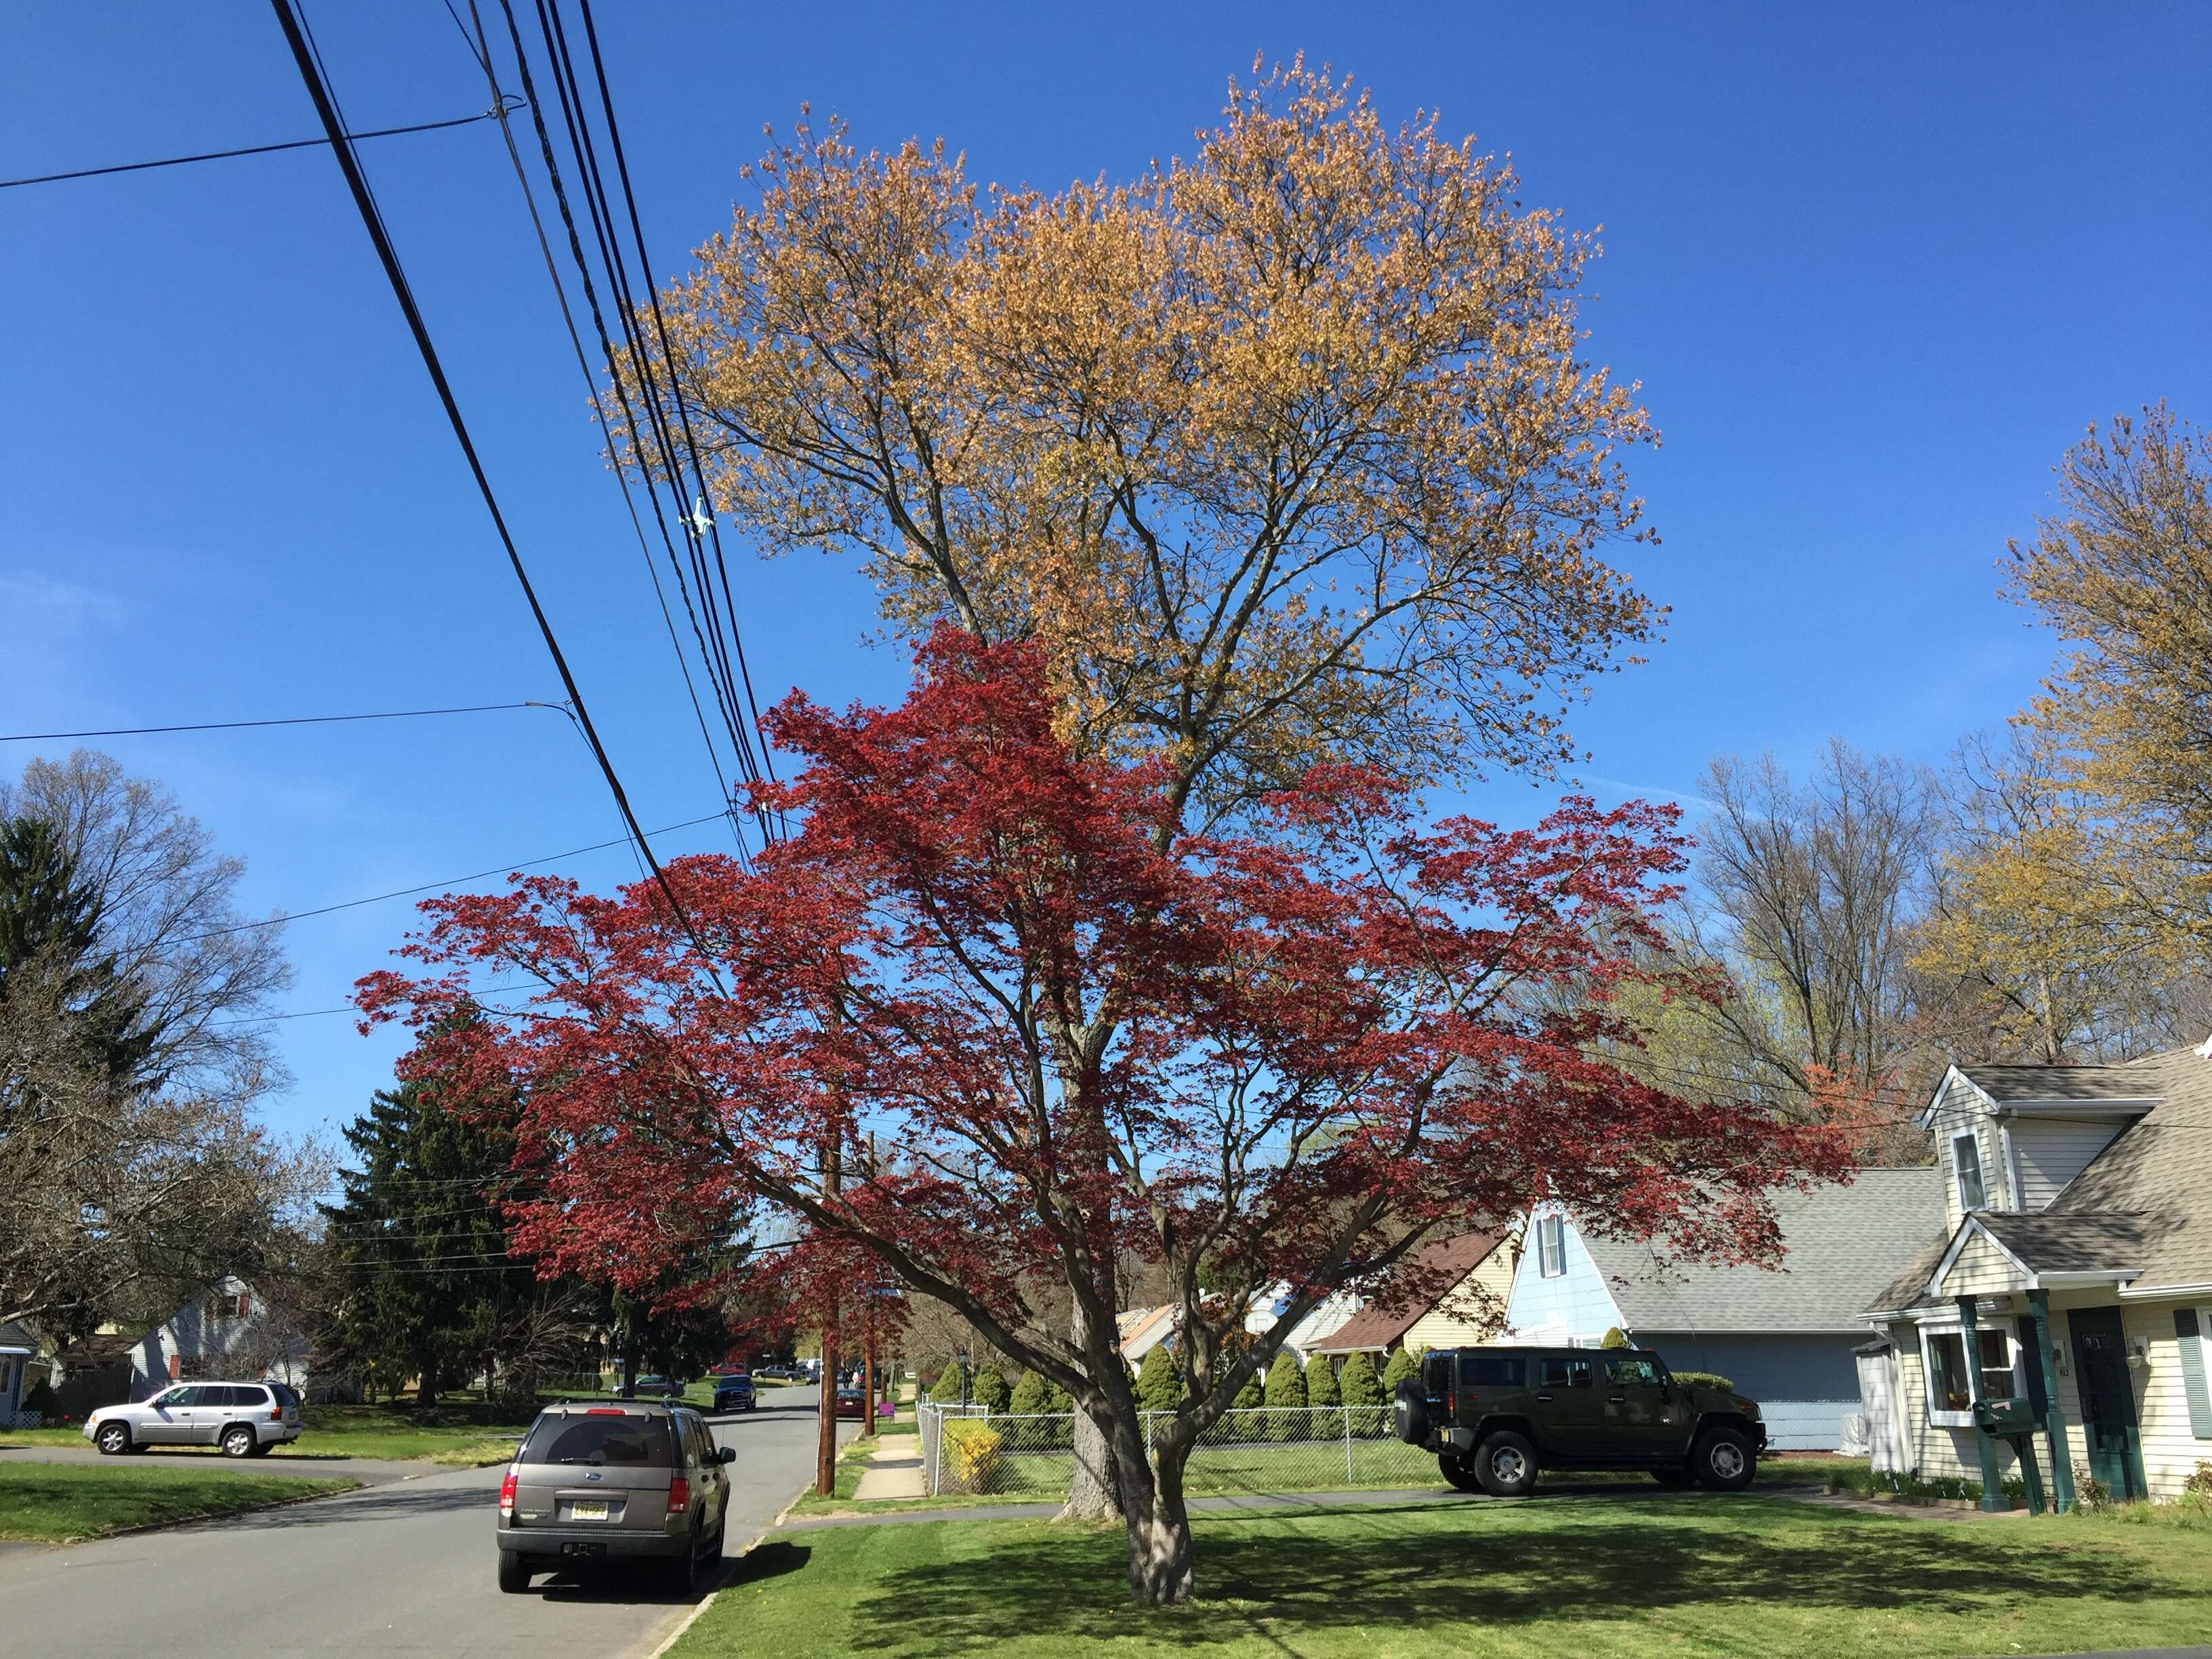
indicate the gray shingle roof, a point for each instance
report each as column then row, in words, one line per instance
column 1843, row 1243
column 2067, row 1242
column 2005, row 1083
column 2158, row 1169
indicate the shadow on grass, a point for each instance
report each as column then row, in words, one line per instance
column 1396, row 1570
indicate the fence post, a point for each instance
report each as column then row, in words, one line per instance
column 1148, row 1437
column 1349, row 1478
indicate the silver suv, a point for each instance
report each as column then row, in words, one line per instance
column 634, row 1481
column 244, row 1418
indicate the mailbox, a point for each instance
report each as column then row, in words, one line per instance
column 2005, row 1417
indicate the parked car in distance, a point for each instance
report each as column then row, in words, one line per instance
column 734, row 1393
column 244, row 1419
column 851, row 1402
column 652, row 1385
column 642, row 1482
column 1496, row 1417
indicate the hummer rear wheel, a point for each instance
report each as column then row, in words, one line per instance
column 1505, row 1464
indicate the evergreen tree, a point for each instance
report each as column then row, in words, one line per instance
column 1032, row 1395
column 50, row 924
column 1247, row 1397
column 422, row 1197
column 951, row 1384
column 1285, row 1394
column 1159, row 1383
column 1404, row 1363
column 1321, row 1382
column 990, row 1391
column 1358, row 1385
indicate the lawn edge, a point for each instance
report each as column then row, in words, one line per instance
column 351, row 1485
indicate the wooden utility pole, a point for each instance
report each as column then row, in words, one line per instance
column 825, row 1449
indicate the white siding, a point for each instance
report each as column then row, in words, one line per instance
column 2170, row 1452
column 2048, row 1153
column 1960, row 1110
column 1574, row 1306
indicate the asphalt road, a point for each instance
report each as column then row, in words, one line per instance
column 399, row 1568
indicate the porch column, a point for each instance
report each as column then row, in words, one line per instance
column 1993, row 1496
column 2054, row 1415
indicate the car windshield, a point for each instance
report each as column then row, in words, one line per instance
column 633, row 1442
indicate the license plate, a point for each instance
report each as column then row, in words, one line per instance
column 582, row 1510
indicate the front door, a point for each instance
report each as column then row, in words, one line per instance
column 168, row 1422
column 2110, row 1438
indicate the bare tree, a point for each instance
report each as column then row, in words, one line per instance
column 168, row 918
column 1811, row 895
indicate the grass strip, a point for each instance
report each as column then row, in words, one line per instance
column 57, row 1503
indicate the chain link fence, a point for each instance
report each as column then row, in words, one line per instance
column 967, row 1450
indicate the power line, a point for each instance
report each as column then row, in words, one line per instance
column 251, row 150
column 480, row 49
column 433, row 886
column 311, row 71
column 295, row 720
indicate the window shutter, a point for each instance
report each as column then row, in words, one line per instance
column 2193, row 1372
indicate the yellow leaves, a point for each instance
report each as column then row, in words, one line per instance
column 1160, row 425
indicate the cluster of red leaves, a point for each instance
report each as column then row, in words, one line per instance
column 1075, row 1031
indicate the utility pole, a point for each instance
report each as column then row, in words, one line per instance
column 826, row 1450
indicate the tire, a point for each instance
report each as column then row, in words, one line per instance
column 681, row 1573
column 1672, row 1478
column 513, row 1571
column 239, row 1440
column 1410, row 1412
column 262, row 1448
column 1457, row 1473
column 1723, row 1460
column 113, row 1439
column 1505, row 1464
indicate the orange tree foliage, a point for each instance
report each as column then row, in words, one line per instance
column 1284, row 453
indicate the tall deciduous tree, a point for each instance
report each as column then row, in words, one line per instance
column 1081, row 1031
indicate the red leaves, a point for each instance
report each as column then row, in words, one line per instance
column 1075, row 1033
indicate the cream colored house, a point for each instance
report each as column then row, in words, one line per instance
column 2075, row 1273
column 1477, row 1271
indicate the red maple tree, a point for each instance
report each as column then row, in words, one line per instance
column 1080, row 1036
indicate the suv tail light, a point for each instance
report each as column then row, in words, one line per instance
column 277, row 1414
column 507, row 1494
column 679, row 1495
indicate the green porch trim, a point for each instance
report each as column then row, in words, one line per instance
column 1985, row 1445
column 2054, row 1415
column 2188, row 1339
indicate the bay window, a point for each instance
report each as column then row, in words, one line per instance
column 1950, row 1389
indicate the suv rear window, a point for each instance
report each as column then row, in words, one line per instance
column 632, row 1442
column 284, row 1395
column 1490, row 1371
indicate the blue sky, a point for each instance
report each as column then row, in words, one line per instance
column 1875, row 267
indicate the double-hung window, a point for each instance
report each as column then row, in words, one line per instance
column 1950, row 1388
column 1966, row 1160
column 1551, row 1246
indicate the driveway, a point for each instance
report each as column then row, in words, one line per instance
column 405, row 1568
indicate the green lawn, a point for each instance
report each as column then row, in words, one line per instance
column 51, row 1502
column 1598, row 1575
column 465, row 1433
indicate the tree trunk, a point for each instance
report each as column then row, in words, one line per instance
column 1093, row 1486
column 1155, row 1518
column 426, row 1387
column 867, row 1391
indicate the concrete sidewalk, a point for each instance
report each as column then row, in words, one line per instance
column 894, row 1471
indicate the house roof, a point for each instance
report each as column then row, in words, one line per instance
column 1375, row 1328
column 2085, row 1082
column 1843, row 1243
column 103, row 1348
column 2143, row 1205
column 1143, row 1328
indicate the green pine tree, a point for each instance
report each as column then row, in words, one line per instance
column 1285, row 1395
column 50, row 925
column 949, row 1386
column 1032, row 1395
column 1362, row 1391
column 1159, row 1383
column 1405, row 1363
column 1247, row 1397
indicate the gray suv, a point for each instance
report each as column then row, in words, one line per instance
column 244, row 1418
column 634, row 1481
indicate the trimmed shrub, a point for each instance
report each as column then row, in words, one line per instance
column 948, row 1388
column 1404, row 1363
column 1321, row 1382
column 1160, row 1385
column 1362, row 1391
column 990, row 1391
column 1032, row 1395
column 1614, row 1338
column 1285, row 1395
column 1249, row 1397
column 1704, row 1380
column 971, row 1454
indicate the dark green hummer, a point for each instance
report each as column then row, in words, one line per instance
column 1494, row 1416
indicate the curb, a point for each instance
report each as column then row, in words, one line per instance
column 715, row 1596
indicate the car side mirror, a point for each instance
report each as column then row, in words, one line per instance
column 726, row 1455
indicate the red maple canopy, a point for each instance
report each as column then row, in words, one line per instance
column 1075, row 1035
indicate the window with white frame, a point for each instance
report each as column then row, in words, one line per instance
column 1950, row 1388
column 1967, row 1161
column 1551, row 1246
